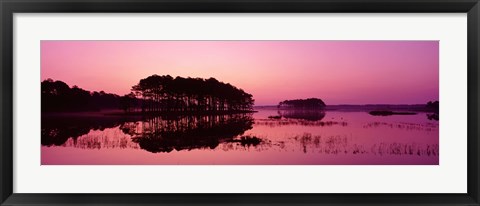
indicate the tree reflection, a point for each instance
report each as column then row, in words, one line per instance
column 433, row 116
column 156, row 134
column 57, row 129
column 289, row 122
column 310, row 115
column 160, row 134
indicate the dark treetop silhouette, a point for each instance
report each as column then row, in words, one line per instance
column 57, row 96
column 310, row 103
column 166, row 94
column 311, row 109
column 433, row 106
column 153, row 94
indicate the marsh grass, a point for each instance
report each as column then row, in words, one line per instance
column 346, row 145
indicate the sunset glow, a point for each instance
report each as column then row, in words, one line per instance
column 291, row 103
column 339, row 72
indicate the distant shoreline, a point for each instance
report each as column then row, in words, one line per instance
column 358, row 105
column 366, row 107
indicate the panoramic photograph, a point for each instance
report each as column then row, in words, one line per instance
column 308, row 102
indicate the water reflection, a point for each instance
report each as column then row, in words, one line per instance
column 57, row 129
column 111, row 138
column 188, row 132
column 309, row 115
column 241, row 136
column 289, row 122
column 347, row 145
column 403, row 126
column 433, row 116
column 153, row 134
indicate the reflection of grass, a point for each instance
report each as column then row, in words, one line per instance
column 343, row 145
column 248, row 140
column 396, row 148
column 272, row 122
column 433, row 116
column 403, row 126
column 102, row 141
column 331, row 145
column 306, row 143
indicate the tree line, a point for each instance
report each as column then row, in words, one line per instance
column 57, row 96
column 165, row 93
column 433, row 105
column 152, row 94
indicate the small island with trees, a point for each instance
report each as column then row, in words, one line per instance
column 307, row 109
column 187, row 95
column 431, row 107
column 306, row 104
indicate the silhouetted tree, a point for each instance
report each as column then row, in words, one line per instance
column 128, row 102
column 154, row 94
column 310, row 103
column 57, row 96
column 435, row 106
column 165, row 93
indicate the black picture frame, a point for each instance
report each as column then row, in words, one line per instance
column 9, row 7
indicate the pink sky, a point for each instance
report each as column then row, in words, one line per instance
column 338, row 72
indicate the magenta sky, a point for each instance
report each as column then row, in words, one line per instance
column 339, row 72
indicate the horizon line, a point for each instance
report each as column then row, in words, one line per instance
column 372, row 104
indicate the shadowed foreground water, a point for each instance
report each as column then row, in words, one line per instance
column 268, row 137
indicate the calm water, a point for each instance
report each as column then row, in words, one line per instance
column 290, row 138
